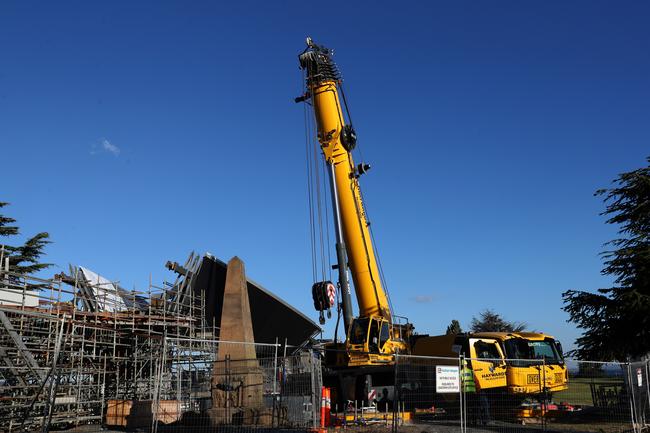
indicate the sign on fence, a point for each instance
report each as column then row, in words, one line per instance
column 447, row 379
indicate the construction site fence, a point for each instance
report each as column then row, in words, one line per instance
column 277, row 387
column 91, row 357
column 440, row 394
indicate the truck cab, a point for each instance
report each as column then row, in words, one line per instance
column 519, row 363
column 535, row 363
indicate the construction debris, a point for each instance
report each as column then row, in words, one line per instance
column 206, row 277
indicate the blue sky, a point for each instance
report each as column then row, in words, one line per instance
column 136, row 132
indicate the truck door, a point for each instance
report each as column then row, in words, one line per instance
column 488, row 363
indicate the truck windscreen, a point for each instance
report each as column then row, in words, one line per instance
column 523, row 350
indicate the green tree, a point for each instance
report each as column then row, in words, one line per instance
column 5, row 228
column 616, row 320
column 489, row 321
column 23, row 259
column 454, row 328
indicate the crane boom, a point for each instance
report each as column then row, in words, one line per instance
column 371, row 333
column 332, row 134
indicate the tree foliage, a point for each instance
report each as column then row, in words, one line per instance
column 454, row 328
column 23, row 259
column 489, row 321
column 5, row 228
column 616, row 320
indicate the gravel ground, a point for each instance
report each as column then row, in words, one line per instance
column 432, row 427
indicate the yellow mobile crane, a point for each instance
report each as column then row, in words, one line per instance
column 372, row 338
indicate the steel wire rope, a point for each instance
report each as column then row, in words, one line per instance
column 327, row 188
column 312, row 91
column 356, row 202
column 382, row 276
column 358, row 211
column 347, row 110
column 380, row 266
column 338, row 292
column 359, row 202
column 319, row 205
column 312, row 233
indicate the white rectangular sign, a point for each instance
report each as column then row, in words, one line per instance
column 447, row 379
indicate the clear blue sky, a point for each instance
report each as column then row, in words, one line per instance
column 136, row 132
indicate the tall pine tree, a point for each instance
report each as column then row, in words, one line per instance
column 23, row 259
column 616, row 320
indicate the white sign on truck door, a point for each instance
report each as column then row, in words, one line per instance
column 447, row 379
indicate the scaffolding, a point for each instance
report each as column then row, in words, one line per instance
column 73, row 350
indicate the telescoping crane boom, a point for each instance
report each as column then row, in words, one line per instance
column 372, row 337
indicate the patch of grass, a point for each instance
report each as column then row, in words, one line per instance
column 579, row 391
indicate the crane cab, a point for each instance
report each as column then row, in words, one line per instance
column 370, row 341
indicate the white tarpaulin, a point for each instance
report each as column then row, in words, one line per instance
column 105, row 292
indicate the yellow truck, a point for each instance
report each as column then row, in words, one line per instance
column 521, row 363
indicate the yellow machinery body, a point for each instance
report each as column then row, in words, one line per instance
column 371, row 338
column 371, row 297
column 504, row 360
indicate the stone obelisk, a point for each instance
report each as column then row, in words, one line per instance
column 237, row 380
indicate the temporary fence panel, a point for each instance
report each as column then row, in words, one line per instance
column 482, row 394
column 427, row 390
column 508, row 394
column 639, row 387
column 241, row 395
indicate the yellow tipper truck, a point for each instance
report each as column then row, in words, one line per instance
column 521, row 363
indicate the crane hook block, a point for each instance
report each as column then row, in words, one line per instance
column 324, row 294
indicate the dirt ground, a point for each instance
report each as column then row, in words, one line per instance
column 429, row 427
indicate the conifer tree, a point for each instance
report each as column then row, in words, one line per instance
column 23, row 259
column 489, row 321
column 616, row 320
column 454, row 328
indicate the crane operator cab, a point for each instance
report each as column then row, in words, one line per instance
column 374, row 340
column 368, row 335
